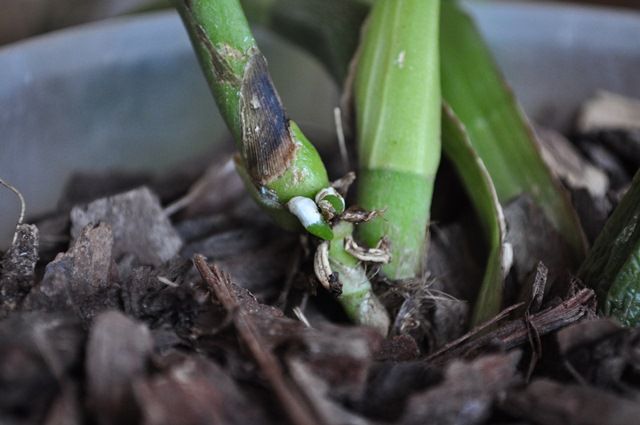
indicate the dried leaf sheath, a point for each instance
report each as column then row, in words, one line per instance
column 250, row 103
column 267, row 146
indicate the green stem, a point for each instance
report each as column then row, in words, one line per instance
column 357, row 298
column 224, row 44
column 397, row 98
column 277, row 162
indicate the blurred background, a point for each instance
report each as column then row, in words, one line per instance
column 100, row 88
column 24, row 18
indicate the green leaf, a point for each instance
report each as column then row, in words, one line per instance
column 612, row 267
column 476, row 91
column 482, row 193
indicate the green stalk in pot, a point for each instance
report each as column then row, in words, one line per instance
column 397, row 101
column 276, row 161
column 471, row 83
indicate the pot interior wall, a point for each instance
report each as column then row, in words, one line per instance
column 128, row 93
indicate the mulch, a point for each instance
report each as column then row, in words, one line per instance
column 140, row 303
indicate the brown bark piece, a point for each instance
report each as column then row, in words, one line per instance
column 566, row 163
column 392, row 383
column 195, row 392
column 602, row 353
column 38, row 352
column 118, row 351
column 545, row 402
column 534, row 239
column 161, row 296
column 140, row 228
column 607, row 110
column 296, row 407
column 338, row 356
column 17, row 268
column 320, row 394
column 264, row 247
column 467, row 393
column 83, row 280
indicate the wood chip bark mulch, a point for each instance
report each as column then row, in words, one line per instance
column 112, row 313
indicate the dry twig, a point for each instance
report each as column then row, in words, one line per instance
column 297, row 408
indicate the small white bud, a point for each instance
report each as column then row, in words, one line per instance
column 305, row 209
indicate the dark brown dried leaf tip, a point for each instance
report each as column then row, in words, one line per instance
column 268, row 147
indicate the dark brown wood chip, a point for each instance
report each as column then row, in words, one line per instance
column 467, row 393
column 17, row 268
column 296, row 407
column 83, row 280
column 196, row 391
column 545, row 402
column 140, row 227
column 118, row 352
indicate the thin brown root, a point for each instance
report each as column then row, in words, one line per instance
column 23, row 206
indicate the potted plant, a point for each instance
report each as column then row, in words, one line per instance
column 170, row 357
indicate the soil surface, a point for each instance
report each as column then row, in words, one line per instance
column 175, row 301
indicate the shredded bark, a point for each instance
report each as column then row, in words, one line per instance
column 105, row 320
column 140, row 229
column 83, row 280
column 297, row 408
column 467, row 393
column 517, row 332
column 114, row 365
column 546, row 402
column 18, row 268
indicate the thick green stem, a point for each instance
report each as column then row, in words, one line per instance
column 224, row 44
column 407, row 197
column 397, row 98
column 277, row 161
